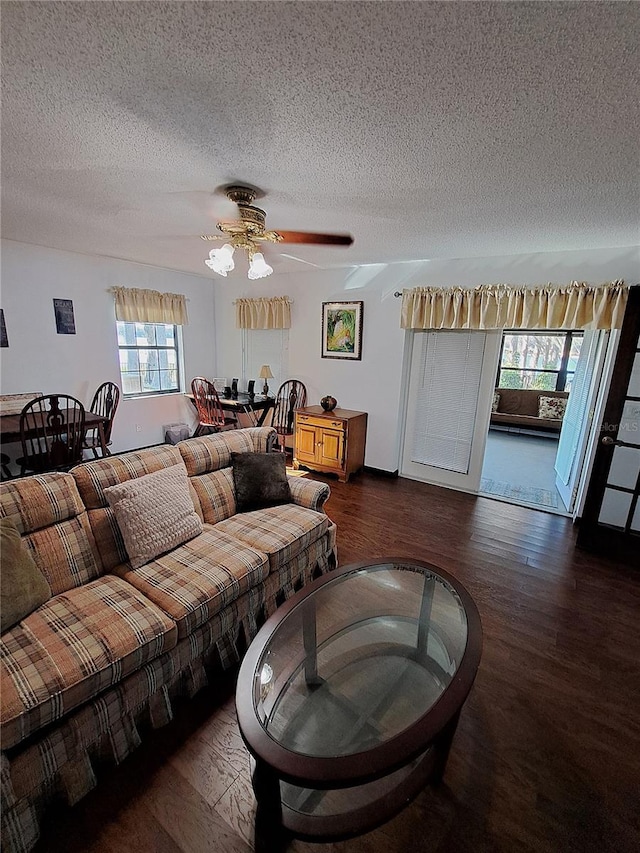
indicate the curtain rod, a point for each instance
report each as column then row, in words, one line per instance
column 261, row 298
column 397, row 293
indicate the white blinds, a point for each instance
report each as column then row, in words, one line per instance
column 266, row 346
column 450, row 370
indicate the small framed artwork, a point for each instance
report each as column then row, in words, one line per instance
column 4, row 340
column 65, row 322
column 342, row 330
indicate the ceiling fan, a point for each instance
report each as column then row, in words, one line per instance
column 249, row 232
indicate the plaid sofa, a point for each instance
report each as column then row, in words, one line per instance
column 114, row 644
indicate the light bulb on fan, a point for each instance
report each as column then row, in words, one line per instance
column 258, row 267
column 221, row 260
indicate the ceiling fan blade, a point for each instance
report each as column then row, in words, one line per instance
column 309, row 237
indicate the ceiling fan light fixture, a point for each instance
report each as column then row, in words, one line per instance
column 258, row 267
column 221, row 260
column 249, row 232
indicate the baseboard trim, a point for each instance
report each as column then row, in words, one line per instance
column 380, row 472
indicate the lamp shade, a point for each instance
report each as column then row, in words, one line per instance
column 265, row 372
column 258, row 267
column 221, row 260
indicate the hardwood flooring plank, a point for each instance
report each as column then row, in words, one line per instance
column 188, row 818
column 546, row 758
column 131, row 830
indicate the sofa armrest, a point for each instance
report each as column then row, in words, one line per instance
column 309, row 493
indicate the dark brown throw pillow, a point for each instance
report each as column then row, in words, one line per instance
column 23, row 587
column 260, row 480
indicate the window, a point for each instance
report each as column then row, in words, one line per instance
column 266, row 346
column 542, row 360
column 149, row 358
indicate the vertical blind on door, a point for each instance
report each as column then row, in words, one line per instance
column 450, row 370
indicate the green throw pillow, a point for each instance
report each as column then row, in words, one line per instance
column 23, row 587
column 260, row 480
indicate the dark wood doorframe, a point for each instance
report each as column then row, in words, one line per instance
column 622, row 544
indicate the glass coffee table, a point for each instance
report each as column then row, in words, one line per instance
column 349, row 696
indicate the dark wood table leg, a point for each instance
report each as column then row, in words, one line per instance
column 424, row 621
column 263, row 415
column 310, row 643
column 270, row 836
column 442, row 746
column 103, row 444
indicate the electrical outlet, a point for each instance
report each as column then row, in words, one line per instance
column 138, row 427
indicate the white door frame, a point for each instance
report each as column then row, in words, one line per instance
column 469, row 482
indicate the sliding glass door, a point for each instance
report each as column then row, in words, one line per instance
column 577, row 421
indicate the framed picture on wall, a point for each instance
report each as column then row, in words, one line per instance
column 342, row 330
column 65, row 322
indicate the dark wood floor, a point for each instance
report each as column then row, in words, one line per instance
column 547, row 753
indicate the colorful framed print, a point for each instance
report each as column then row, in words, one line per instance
column 342, row 330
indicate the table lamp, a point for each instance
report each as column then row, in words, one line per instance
column 265, row 373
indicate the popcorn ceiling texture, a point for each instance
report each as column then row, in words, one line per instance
column 424, row 129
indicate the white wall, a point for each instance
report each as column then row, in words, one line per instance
column 38, row 359
column 373, row 384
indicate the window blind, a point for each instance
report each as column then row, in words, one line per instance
column 450, row 371
column 266, row 346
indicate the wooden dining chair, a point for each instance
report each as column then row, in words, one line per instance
column 211, row 416
column 291, row 395
column 105, row 402
column 51, row 433
column 5, row 471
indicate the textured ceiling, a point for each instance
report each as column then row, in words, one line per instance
column 426, row 130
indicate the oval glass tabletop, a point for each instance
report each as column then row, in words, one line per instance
column 360, row 660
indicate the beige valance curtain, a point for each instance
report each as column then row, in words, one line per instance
column 266, row 313
column 135, row 305
column 502, row 306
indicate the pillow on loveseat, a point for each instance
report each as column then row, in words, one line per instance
column 552, row 408
column 260, row 480
column 495, row 402
column 155, row 513
column 24, row 588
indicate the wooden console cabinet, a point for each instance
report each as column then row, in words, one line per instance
column 330, row 441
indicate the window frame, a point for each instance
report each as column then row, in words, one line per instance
column 177, row 348
column 562, row 372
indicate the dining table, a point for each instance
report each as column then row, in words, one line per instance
column 10, row 428
column 247, row 404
